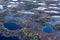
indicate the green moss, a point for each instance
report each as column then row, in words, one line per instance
column 30, row 36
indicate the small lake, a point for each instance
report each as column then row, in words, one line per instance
column 47, row 29
column 12, row 26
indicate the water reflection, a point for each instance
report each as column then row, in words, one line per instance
column 54, row 22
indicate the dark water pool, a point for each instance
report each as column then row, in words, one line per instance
column 12, row 26
column 47, row 29
column 8, row 38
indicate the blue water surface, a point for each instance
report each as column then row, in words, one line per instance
column 12, row 26
column 47, row 29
